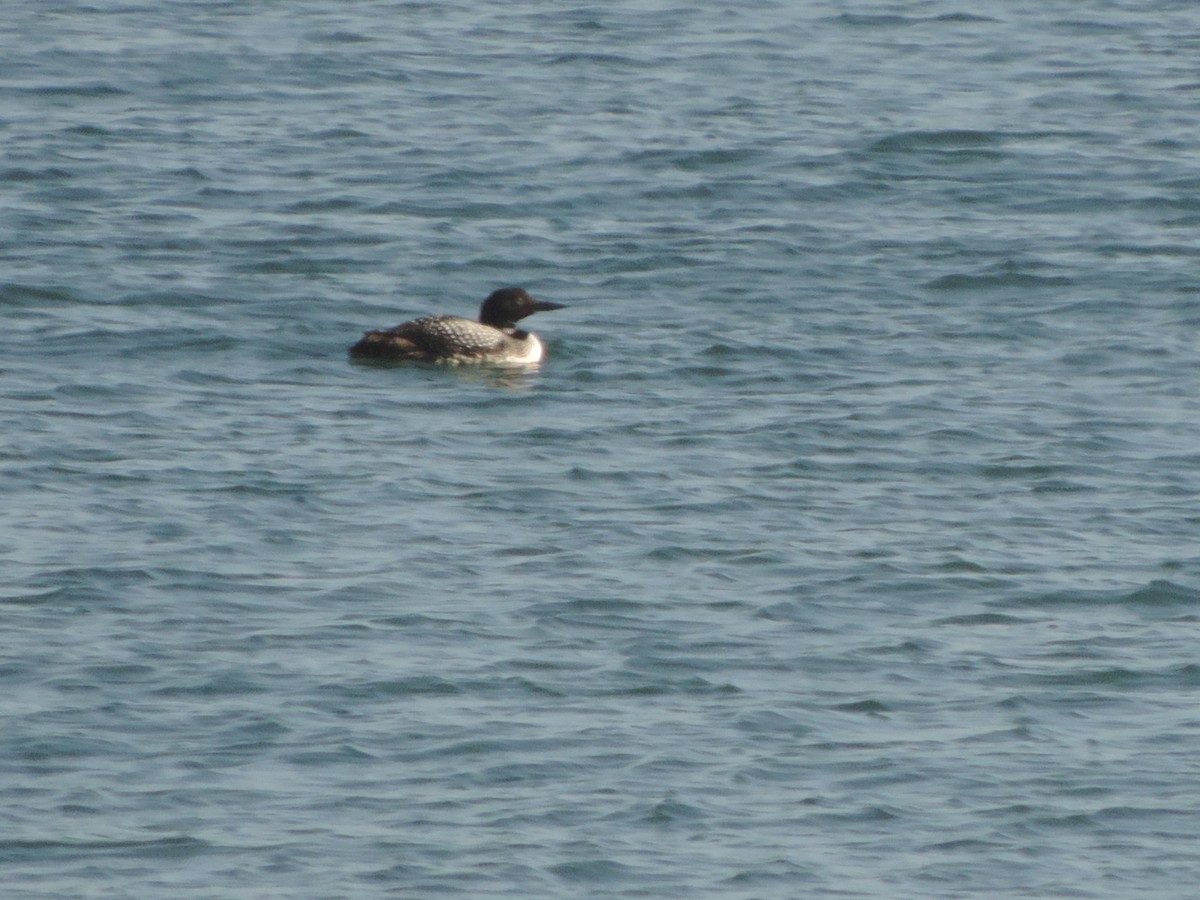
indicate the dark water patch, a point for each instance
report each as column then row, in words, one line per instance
column 604, row 612
column 954, row 139
column 959, row 564
column 700, row 160
column 86, row 401
column 182, row 298
column 450, row 209
column 27, row 851
column 1118, row 678
column 482, row 748
column 529, row 774
column 200, row 378
column 997, row 280
column 964, row 17
column 323, row 204
column 1169, row 251
column 1087, row 26
column 866, row 815
column 122, row 673
column 344, row 754
column 736, row 556
column 1164, row 593
column 341, row 134
column 1091, row 648
column 257, row 484
column 779, row 872
column 615, row 61
column 179, row 341
column 53, row 174
column 230, row 683
column 1155, row 595
column 670, row 812
column 83, row 90
column 18, row 596
column 699, row 190
column 190, row 173
column 54, row 751
column 417, row 686
column 787, row 611
column 548, row 667
column 254, row 736
column 85, row 584
column 1141, row 813
column 17, row 294
column 592, row 871
column 768, row 722
column 1165, row 203
column 211, row 196
column 887, row 20
column 90, row 130
column 878, row 20
column 1060, row 486
column 977, row 619
column 286, row 240
column 907, row 648
column 868, row 707
column 294, row 264
column 965, row 845
column 340, row 37
column 655, row 684
column 1001, row 736
column 165, row 246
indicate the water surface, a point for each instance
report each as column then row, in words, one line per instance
column 845, row 545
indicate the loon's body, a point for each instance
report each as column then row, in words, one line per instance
column 495, row 338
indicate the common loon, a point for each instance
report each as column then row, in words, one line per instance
column 452, row 339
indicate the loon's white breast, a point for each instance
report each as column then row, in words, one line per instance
column 531, row 352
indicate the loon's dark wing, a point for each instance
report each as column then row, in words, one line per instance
column 431, row 338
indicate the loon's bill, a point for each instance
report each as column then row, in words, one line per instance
column 494, row 338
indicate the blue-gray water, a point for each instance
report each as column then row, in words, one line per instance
column 848, row 543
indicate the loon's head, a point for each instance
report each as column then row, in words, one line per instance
column 505, row 307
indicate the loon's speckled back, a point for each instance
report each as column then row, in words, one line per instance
column 494, row 338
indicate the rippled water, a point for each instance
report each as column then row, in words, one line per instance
column 846, row 544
